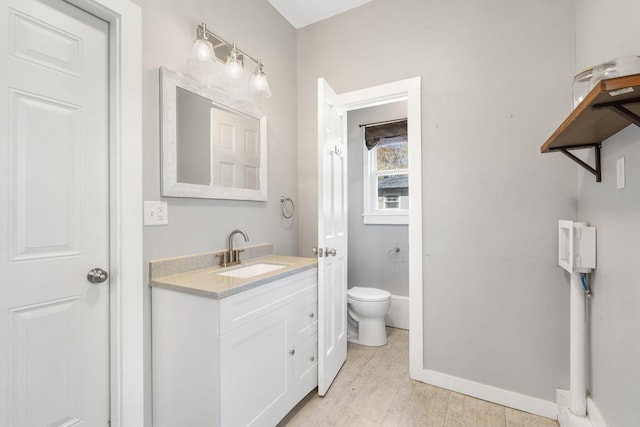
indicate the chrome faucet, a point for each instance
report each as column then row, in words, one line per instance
column 232, row 256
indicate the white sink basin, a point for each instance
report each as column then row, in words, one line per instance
column 251, row 270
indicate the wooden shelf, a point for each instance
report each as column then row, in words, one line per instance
column 612, row 105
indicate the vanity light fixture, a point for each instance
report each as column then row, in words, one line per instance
column 226, row 53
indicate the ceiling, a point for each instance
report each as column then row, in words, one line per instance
column 301, row 13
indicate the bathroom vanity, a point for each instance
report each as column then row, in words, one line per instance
column 233, row 346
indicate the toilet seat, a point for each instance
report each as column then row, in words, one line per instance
column 368, row 294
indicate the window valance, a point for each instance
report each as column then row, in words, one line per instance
column 385, row 133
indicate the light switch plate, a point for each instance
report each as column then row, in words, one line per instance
column 620, row 178
column 156, row 213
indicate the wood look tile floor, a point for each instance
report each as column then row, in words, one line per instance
column 373, row 388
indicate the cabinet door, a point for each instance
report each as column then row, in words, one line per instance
column 254, row 374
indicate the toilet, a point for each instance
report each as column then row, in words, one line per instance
column 366, row 310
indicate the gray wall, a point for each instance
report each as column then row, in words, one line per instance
column 199, row 225
column 371, row 260
column 606, row 31
column 496, row 82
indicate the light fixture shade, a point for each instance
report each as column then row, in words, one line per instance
column 259, row 83
column 202, row 63
column 234, row 68
column 202, row 49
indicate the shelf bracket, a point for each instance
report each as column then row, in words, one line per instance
column 620, row 108
column 597, row 171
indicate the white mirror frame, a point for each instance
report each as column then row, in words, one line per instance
column 169, row 81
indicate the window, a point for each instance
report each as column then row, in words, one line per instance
column 386, row 174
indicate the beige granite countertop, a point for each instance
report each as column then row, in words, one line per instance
column 205, row 282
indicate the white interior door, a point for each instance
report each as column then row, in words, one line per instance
column 54, row 215
column 332, row 236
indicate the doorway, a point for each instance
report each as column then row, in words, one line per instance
column 378, row 204
column 405, row 90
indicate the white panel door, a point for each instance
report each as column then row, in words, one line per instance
column 54, row 222
column 332, row 236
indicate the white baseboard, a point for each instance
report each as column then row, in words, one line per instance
column 567, row 419
column 489, row 393
column 398, row 314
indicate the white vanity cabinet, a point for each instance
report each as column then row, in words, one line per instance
column 246, row 359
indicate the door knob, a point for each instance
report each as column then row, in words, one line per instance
column 330, row 251
column 97, row 275
column 317, row 252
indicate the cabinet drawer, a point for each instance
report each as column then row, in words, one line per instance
column 306, row 367
column 242, row 308
column 305, row 318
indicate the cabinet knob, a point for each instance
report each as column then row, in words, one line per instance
column 292, row 352
column 312, row 358
column 312, row 315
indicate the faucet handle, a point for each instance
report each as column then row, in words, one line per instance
column 223, row 258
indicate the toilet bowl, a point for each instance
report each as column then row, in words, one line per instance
column 366, row 310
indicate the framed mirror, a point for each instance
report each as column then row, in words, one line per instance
column 212, row 147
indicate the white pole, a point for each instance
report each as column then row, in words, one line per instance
column 578, row 392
